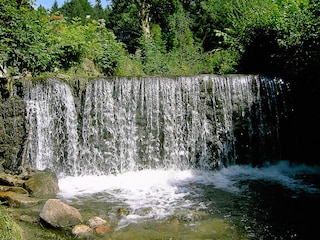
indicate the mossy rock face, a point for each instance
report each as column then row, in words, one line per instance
column 42, row 184
column 12, row 132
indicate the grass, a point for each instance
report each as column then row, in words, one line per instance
column 9, row 230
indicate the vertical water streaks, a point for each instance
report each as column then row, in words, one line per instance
column 129, row 124
column 52, row 127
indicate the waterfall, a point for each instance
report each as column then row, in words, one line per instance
column 130, row 124
column 51, row 123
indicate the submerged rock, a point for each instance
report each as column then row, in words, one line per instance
column 102, row 230
column 42, row 184
column 58, row 214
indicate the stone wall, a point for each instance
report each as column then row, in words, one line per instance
column 12, row 126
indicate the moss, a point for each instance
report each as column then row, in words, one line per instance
column 8, row 228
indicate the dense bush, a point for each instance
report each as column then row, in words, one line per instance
column 32, row 40
column 271, row 37
column 150, row 37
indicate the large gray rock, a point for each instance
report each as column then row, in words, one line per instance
column 59, row 214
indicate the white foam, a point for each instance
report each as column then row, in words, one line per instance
column 156, row 189
column 164, row 191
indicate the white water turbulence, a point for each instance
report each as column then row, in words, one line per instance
column 132, row 124
column 156, row 194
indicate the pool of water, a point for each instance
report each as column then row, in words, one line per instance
column 239, row 202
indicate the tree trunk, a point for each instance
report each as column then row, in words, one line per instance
column 144, row 15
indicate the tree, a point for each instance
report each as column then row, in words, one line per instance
column 98, row 12
column 77, row 9
column 125, row 24
column 138, row 15
column 55, row 7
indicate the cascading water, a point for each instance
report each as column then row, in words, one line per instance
column 160, row 157
column 130, row 124
column 52, row 127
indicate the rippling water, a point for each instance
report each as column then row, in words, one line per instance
column 238, row 202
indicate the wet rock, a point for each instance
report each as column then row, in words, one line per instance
column 1, row 162
column 58, row 214
column 12, row 130
column 42, row 184
column 143, row 211
column 102, row 230
column 28, row 219
column 19, row 190
column 16, row 200
column 123, row 211
column 82, row 231
column 10, row 180
column 95, row 222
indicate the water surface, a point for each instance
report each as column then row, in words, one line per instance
column 239, row 202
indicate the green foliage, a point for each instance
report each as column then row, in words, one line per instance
column 152, row 53
column 270, row 34
column 129, row 66
column 109, row 55
column 77, row 9
column 152, row 37
column 125, row 24
column 37, row 42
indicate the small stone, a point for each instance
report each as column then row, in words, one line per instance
column 27, row 218
column 82, row 231
column 103, row 229
column 96, row 222
column 123, row 211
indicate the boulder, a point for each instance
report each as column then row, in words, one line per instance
column 42, row 184
column 58, row 214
